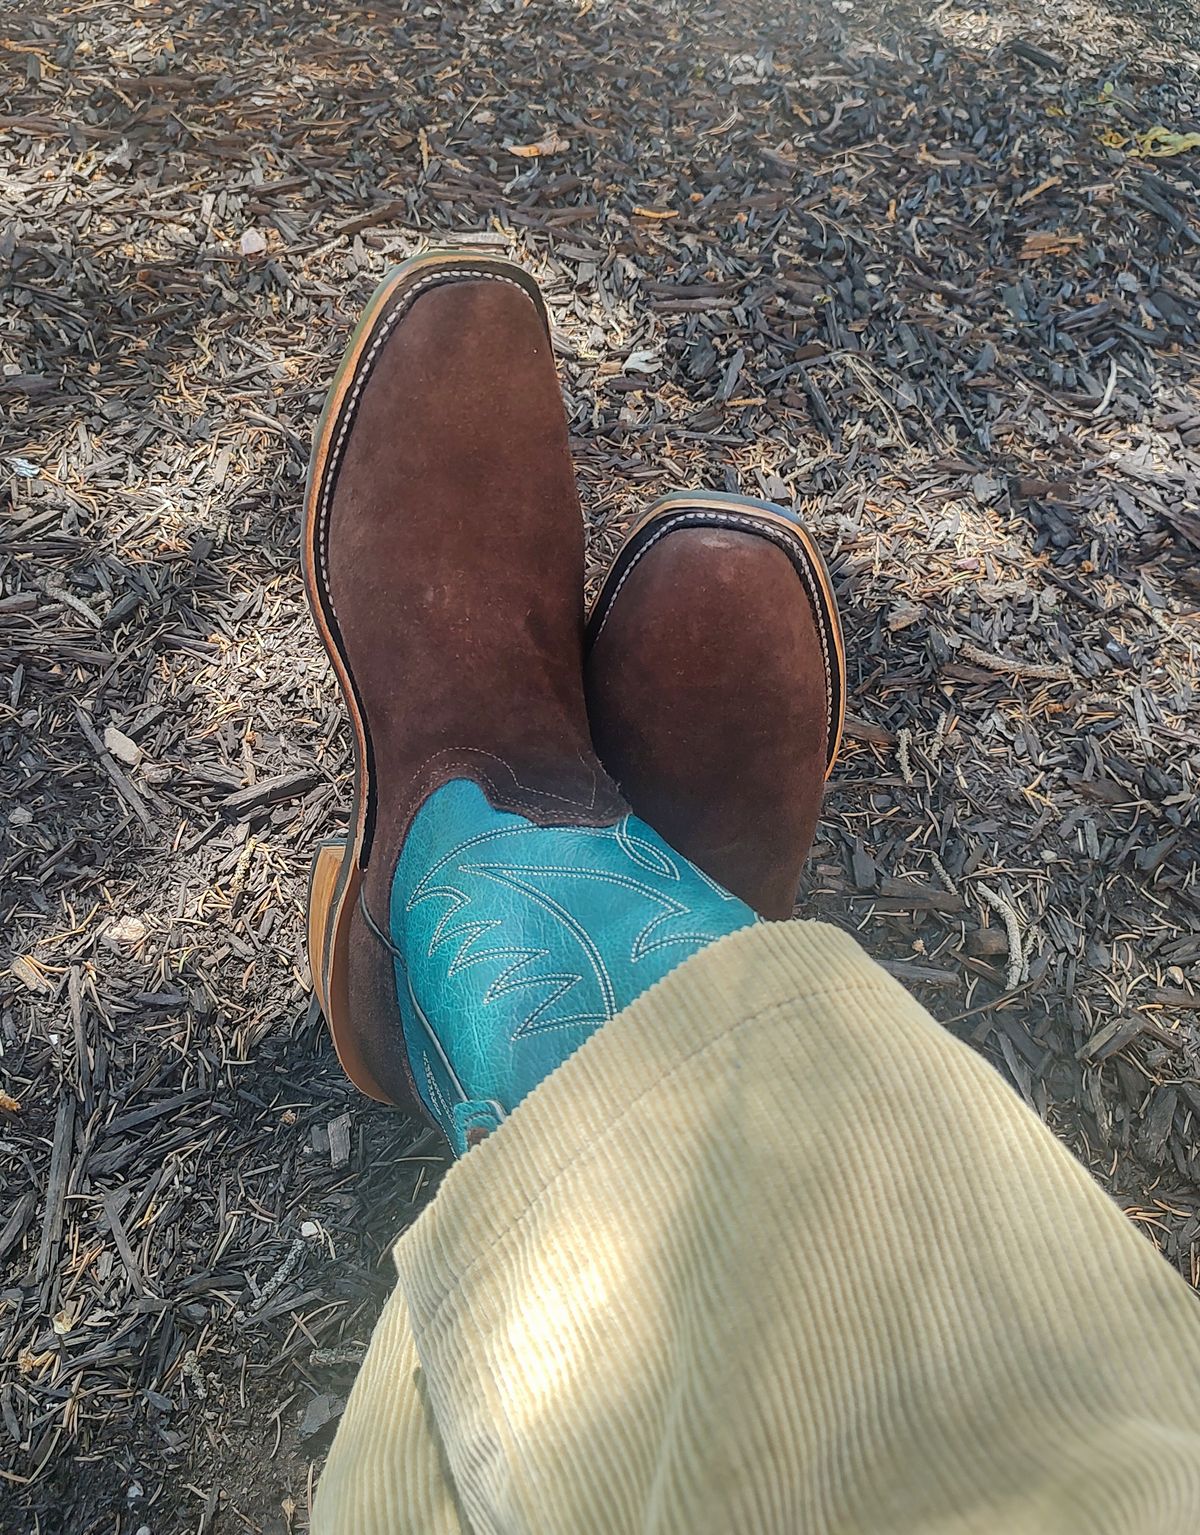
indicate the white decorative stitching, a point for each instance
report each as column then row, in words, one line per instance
column 422, row 888
column 422, row 792
column 763, row 530
column 437, row 1100
column 517, row 876
column 726, row 895
column 531, row 869
column 641, row 946
column 467, row 932
column 644, row 854
column 501, row 875
column 509, row 978
column 562, row 982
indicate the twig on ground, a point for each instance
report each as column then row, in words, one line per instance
column 1012, row 926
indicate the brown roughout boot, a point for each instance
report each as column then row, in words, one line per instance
column 443, row 554
column 716, row 687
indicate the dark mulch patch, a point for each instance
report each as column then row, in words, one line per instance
column 911, row 275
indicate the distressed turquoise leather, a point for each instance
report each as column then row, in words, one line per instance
column 513, row 942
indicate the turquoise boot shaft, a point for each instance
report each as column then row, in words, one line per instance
column 514, row 942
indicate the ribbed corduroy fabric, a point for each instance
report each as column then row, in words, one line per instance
column 773, row 1253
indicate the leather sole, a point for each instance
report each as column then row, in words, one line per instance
column 718, row 509
column 335, row 881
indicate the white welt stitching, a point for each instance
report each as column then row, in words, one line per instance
column 362, row 372
column 764, row 530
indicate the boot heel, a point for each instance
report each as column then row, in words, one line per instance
column 333, row 886
column 323, row 882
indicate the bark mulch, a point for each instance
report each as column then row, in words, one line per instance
column 931, row 275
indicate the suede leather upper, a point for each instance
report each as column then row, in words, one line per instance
column 708, row 699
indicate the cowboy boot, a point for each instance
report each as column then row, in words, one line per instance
column 494, row 901
column 716, row 687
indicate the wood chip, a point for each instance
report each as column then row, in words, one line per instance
column 339, row 1141
column 271, row 791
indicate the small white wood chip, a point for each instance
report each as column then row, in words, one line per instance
column 118, row 745
column 125, row 933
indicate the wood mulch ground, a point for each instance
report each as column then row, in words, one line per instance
column 926, row 274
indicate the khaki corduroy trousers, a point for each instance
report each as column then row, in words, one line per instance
column 773, row 1253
